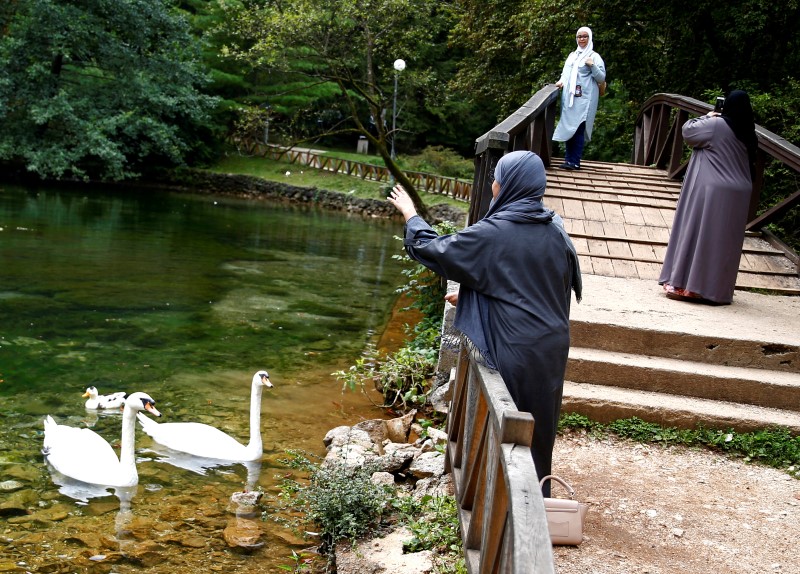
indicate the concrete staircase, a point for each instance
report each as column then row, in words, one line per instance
column 636, row 353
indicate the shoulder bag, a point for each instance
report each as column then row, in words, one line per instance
column 565, row 517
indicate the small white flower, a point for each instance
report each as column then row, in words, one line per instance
column 728, row 437
column 288, row 173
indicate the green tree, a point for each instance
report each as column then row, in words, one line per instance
column 514, row 47
column 352, row 45
column 99, row 88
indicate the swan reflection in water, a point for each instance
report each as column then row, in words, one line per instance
column 201, row 465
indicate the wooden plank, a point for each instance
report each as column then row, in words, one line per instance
column 594, row 229
column 533, row 551
column 597, row 247
column 659, row 234
column 577, row 226
column 648, row 271
column 573, row 209
column 586, row 264
column 496, row 496
column 623, row 268
column 601, row 266
column 555, row 204
column 633, row 215
column 652, row 217
column 613, row 213
column 643, row 251
column 619, row 249
column 669, row 217
column 636, row 231
column 594, row 211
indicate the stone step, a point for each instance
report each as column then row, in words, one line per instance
column 606, row 404
column 758, row 387
column 699, row 347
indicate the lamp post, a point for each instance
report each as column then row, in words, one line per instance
column 399, row 66
column 266, row 124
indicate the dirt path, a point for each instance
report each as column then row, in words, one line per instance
column 664, row 510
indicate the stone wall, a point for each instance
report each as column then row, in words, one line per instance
column 251, row 187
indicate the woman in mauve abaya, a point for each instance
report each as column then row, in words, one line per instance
column 516, row 268
column 705, row 244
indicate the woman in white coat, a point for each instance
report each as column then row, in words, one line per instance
column 583, row 71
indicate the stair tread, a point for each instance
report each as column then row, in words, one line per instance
column 714, row 412
column 756, row 374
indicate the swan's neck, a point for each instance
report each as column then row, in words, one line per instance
column 127, row 457
column 255, row 444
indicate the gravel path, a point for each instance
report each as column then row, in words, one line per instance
column 665, row 510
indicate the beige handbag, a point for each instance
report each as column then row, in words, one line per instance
column 564, row 516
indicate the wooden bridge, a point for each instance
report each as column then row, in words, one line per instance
column 619, row 217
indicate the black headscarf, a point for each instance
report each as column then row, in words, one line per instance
column 738, row 114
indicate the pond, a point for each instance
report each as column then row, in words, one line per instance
column 182, row 297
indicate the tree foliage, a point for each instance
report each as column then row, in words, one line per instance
column 98, row 88
column 350, row 45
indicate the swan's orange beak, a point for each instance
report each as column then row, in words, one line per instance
column 265, row 381
column 85, row 395
column 150, row 408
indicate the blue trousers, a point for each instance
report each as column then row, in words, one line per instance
column 574, row 146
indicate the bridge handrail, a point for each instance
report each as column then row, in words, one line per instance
column 501, row 510
column 658, row 141
column 529, row 128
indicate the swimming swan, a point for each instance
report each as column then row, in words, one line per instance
column 97, row 401
column 84, row 455
column 203, row 440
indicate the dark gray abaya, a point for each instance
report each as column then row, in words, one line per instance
column 516, row 268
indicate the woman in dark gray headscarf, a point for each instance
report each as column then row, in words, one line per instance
column 516, row 268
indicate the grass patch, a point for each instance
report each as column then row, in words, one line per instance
column 302, row 176
column 775, row 447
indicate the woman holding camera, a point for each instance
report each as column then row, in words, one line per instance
column 705, row 243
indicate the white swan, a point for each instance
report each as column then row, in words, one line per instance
column 203, row 440
column 96, row 401
column 84, row 455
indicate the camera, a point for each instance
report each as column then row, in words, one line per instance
column 719, row 105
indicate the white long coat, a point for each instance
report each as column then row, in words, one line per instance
column 584, row 108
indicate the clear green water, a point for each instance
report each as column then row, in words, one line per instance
column 183, row 297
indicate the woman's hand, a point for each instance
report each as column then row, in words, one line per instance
column 559, row 84
column 589, row 62
column 401, row 200
column 452, row 298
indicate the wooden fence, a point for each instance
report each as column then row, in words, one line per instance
column 501, row 512
column 450, row 186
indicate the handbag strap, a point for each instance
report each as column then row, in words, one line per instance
column 561, row 481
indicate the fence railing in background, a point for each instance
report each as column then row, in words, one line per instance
column 450, row 186
column 658, row 140
column 529, row 128
column 501, row 511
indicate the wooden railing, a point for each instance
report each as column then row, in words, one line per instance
column 529, row 128
column 501, row 512
column 658, row 141
column 430, row 183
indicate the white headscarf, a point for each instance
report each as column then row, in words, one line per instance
column 577, row 59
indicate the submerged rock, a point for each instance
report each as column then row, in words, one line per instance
column 243, row 533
